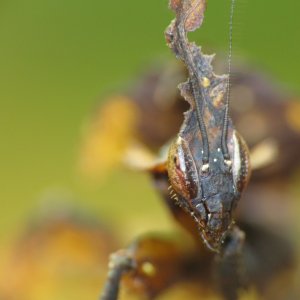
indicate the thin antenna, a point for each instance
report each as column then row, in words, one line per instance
column 225, row 123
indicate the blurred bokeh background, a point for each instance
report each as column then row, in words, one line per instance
column 59, row 58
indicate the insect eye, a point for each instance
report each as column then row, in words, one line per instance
column 241, row 163
column 182, row 171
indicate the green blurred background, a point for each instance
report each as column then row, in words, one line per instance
column 57, row 57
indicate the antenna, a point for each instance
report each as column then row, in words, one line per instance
column 225, row 122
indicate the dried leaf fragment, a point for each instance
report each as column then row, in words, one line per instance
column 195, row 15
column 175, row 4
column 190, row 12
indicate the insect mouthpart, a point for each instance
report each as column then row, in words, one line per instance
column 216, row 230
column 213, row 246
column 213, row 217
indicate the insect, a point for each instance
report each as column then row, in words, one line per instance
column 208, row 164
column 202, row 182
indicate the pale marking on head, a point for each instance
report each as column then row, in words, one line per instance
column 205, row 82
column 205, row 168
column 228, row 162
column 181, row 159
column 179, row 140
column 217, row 102
column 237, row 162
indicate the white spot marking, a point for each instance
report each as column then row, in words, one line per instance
column 228, row 162
column 179, row 141
column 205, row 168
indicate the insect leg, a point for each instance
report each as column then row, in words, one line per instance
column 147, row 267
column 230, row 271
column 120, row 262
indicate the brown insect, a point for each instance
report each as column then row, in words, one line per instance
column 202, row 182
column 208, row 164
